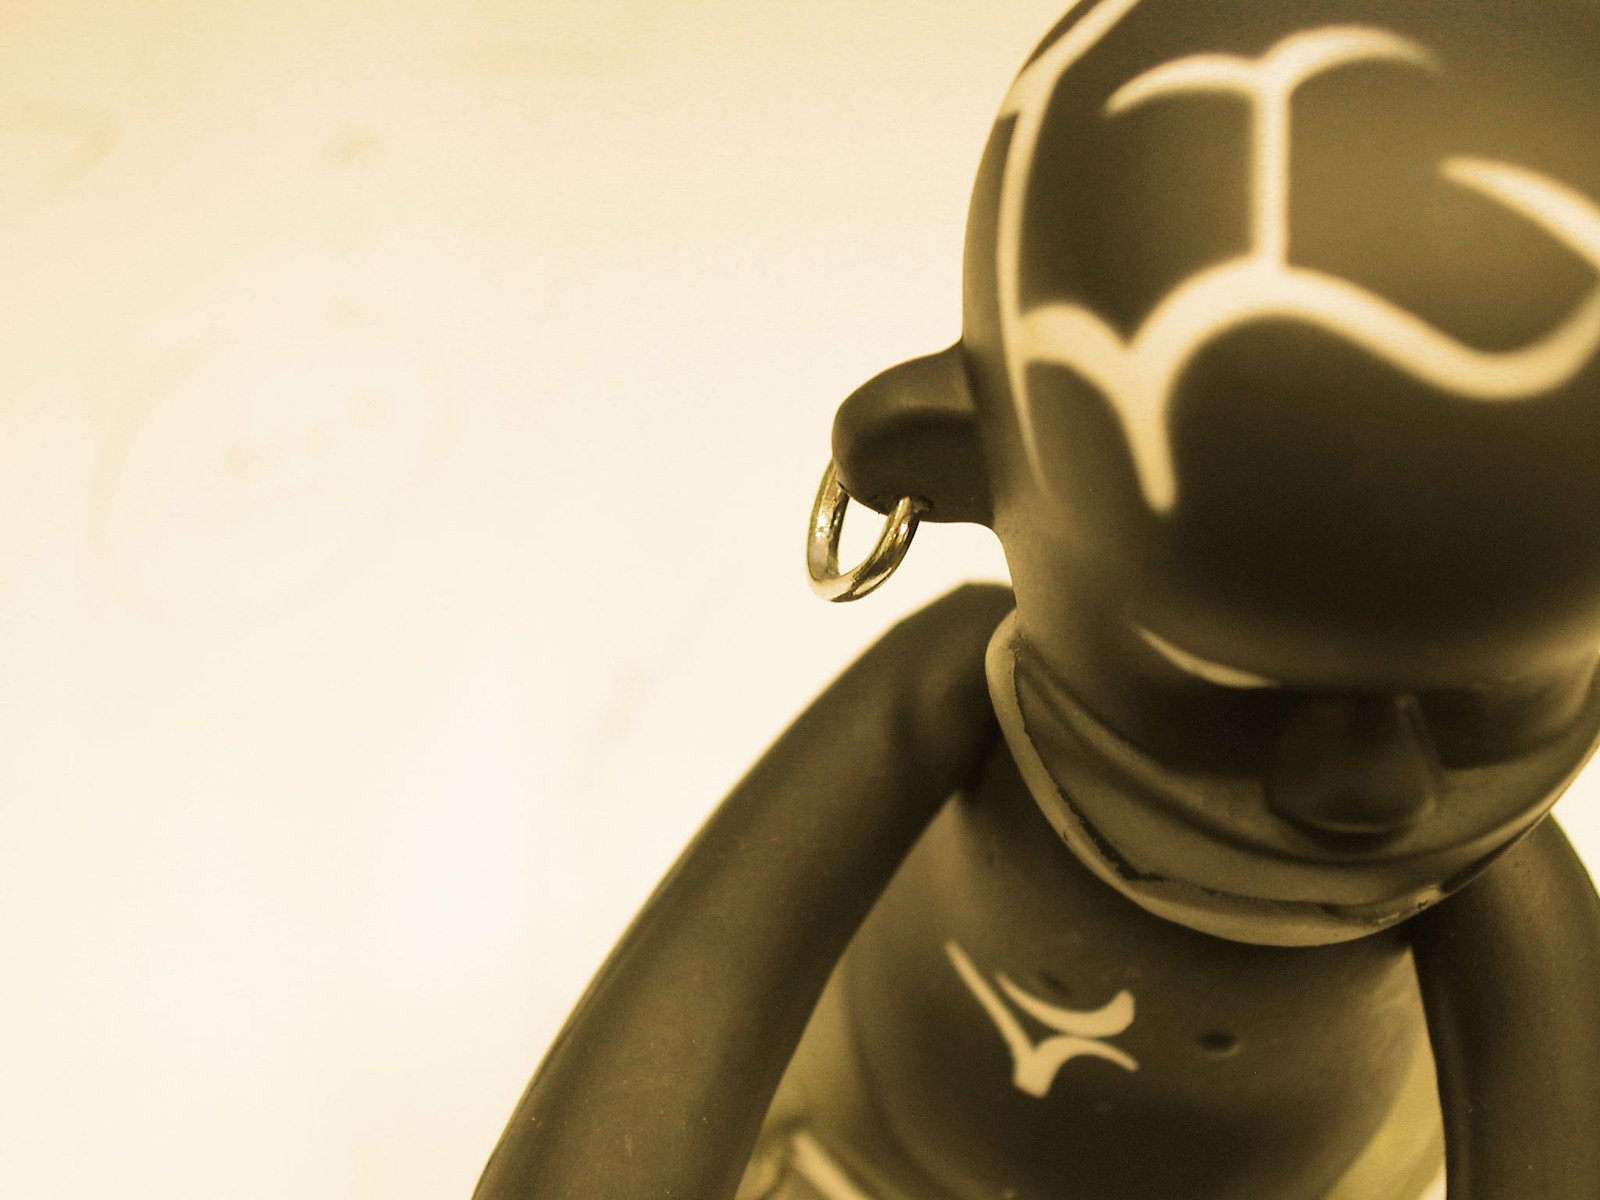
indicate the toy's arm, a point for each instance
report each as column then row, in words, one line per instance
column 657, row 1087
column 1510, row 974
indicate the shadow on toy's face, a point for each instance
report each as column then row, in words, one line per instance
column 1277, row 811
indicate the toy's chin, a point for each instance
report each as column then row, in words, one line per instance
column 1206, row 852
column 1238, row 918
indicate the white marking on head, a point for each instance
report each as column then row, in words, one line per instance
column 1029, row 100
column 1138, row 375
column 1269, row 82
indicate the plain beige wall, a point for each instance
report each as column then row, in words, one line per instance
column 411, row 412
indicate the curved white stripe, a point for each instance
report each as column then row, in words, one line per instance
column 1108, row 1020
column 1282, row 69
column 1037, row 1074
column 1138, row 375
column 1269, row 82
column 1010, row 1028
column 818, row 1168
column 1028, row 100
column 1564, row 213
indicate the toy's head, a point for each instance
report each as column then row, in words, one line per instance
column 1279, row 381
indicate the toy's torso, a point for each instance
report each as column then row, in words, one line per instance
column 1006, row 1025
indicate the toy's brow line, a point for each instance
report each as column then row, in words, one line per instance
column 1204, row 668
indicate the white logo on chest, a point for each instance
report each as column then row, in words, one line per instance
column 1078, row 1034
column 1138, row 374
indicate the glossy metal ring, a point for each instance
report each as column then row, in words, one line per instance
column 822, row 542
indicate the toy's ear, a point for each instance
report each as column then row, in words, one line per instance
column 913, row 431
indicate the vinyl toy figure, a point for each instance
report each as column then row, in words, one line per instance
column 1213, row 861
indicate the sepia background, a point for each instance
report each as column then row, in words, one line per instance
column 410, row 416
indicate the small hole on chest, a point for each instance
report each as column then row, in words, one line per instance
column 1218, row 1043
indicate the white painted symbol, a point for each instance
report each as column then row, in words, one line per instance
column 1138, row 375
column 1078, row 1034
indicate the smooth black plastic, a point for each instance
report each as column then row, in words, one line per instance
column 659, row 1082
column 1510, row 974
column 912, row 431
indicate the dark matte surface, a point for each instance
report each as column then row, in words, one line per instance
column 1510, row 972
column 658, row 1084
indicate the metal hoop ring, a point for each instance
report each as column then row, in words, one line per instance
column 822, row 542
